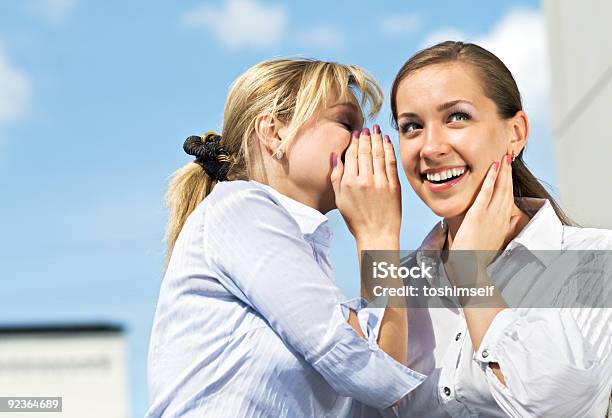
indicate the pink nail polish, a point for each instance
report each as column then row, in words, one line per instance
column 334, row 159
column 387, row 139
column 376, row 129
column 495, row 165
column 355, row 135
column 365, row 131
column 508, row 159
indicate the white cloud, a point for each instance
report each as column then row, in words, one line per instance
column 241, row 23
column 53, row 11
column 401, row 24
column 519, row 40
column 14, row 90
column 321, row 37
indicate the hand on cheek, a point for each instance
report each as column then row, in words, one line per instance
column 489, row 220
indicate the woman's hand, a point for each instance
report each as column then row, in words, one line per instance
column 489, row 221
column 369, row 198
column 484, row 230
column 367, row 188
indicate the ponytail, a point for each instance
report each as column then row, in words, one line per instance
column 189, row 185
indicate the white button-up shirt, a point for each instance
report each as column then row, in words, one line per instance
column 249, row 322
column 555, row 362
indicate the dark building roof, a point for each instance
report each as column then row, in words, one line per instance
column 60, row 328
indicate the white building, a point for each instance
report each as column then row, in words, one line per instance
column 83, row 364
column 579, row 36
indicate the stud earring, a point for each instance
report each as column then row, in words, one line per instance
column 278, row 155
column 513, row 156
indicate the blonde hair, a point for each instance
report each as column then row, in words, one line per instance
column 293, row 91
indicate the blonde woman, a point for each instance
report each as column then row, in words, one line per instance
column 249, row 322
column 462, row 134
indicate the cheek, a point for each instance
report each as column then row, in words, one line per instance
column 310, row 159
column 479, row 148
column 409, row 156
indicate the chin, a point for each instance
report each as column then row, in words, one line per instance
column 447, row 208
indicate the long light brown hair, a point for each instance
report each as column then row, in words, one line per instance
column 499, row 85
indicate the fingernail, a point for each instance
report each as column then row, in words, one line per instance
column 495, row 165
column 508, row 159
column 376, row 129
column 365, row 131
column 334, row 159
column 387, row 139
column 355, row 135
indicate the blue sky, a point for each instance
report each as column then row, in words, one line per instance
column 96, row 98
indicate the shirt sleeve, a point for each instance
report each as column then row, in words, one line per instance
column 555, row 362
column 263, row 259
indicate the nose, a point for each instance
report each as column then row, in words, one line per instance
column 435, row 145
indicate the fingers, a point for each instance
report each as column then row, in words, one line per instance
column 350, row 157
column 336, row 174
column 390, row 162
column 364, row 154
column 370, row 155
column 488, row 186
column 502, row 196
column 378, row 156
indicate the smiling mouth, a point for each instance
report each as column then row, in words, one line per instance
column 444, row 176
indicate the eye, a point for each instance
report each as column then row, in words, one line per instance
column 459, row 117
column 409, row 127
column 347, row 126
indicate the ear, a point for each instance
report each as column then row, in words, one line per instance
column 269, row 132
column 519, row 132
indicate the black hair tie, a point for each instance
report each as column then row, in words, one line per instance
column 210, row 155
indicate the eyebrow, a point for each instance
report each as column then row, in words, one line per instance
column 448, row 105
column 440, row 108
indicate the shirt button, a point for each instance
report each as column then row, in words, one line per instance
column 485, row 353
column 447, row 391
column 457, row 337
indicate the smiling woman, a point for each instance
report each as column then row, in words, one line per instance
column 461, row 91
column 462, row 138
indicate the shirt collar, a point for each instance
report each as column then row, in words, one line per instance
column 544, row 231
column 311, row 221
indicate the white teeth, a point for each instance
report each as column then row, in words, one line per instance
column 446, row 174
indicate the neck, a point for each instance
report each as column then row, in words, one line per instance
column 300, row 194
column 455, row 222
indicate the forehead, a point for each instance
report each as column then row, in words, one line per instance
column 439, row 83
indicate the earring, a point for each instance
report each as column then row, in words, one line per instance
column 513, row 156
column 278, row 155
